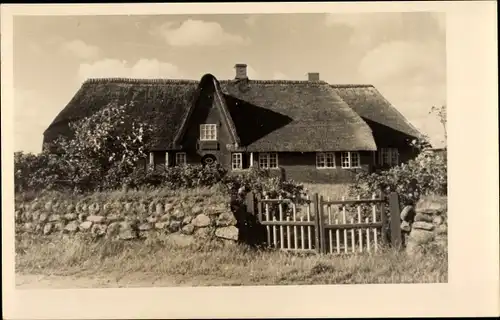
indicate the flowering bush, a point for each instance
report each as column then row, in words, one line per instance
column 425, row 175
column 105, row 148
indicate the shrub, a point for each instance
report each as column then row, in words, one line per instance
column 424, row 175
column 193, row 176
column 104, row 148
column 36, row 172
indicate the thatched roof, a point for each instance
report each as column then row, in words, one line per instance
column 367, row 101
column 262, row 115
column 295, row 116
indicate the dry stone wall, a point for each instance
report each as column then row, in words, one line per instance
column 128, row 220
column 426, row 226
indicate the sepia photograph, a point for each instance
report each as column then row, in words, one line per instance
column 158, row 150
column 230, row 149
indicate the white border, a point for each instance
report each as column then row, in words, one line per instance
column 473, row 288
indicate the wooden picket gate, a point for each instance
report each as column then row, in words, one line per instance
column 329, row 226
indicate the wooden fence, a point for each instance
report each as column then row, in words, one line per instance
column 329, row 226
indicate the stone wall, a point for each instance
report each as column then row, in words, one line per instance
column 426, row 226
column 196, row 218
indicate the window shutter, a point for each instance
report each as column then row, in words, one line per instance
column 245, row 161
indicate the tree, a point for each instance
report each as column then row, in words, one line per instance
column 441, row 113
column 105, row 147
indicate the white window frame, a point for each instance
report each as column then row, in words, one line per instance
column 234, row 161
column 265, row 160
column 322, row 160
column 349, row 159
column 206, row 132
column 180, row 156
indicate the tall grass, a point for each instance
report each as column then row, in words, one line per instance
column 217, row 263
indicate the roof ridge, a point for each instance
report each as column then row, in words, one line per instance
column 139, row 80
column 352, row 86
column 191, row 81
column 274, row 81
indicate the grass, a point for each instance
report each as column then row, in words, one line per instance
column 217, row 264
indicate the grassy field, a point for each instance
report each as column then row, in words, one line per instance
column 158, row 263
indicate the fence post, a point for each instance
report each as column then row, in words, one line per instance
column 395, row 220
column 258, row 197
column 321, row 225
column 383, row 219
column 250, row 203
column 317, row 217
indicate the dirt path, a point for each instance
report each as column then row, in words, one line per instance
column 32, row 281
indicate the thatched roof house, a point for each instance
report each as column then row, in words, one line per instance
column 299, row 126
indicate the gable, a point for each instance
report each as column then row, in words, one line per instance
column 208, row 102
column 207, row 109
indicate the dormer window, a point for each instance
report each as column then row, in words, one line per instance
column 208, row 132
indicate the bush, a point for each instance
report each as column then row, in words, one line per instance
column 37, row 172
column 192, row 176
column 425, row 175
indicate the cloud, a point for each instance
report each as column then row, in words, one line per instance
column 370, row 29
column 198, row 33
column 80, row 49
column 143, row 68
column 415, row 61
column 412, row 76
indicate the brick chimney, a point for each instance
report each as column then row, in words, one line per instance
column 313, row 76
column 241, row 71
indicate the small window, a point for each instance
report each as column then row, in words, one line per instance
column 350, row 159
column 237, row 161
column 389, row 156
column 180, row 158
column 268, row 160
column 208, row 132
column 325, row 160
column 394, row 157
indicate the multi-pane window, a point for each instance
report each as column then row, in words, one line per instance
column 389, row 156
column 237, row 161
column 350, row 159
column 325, row 160
column 180, row 158
column 208, row 132
column 394, row 157
column 268, row 160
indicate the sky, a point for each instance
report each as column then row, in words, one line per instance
column 402, row 54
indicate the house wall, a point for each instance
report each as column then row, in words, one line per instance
column 302, row 167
